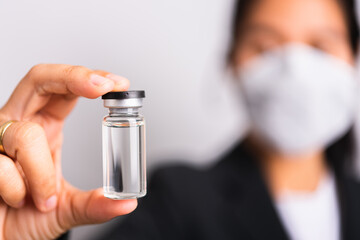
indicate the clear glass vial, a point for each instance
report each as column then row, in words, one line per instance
column 124, row 156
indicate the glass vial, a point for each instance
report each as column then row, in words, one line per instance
column 124, row 156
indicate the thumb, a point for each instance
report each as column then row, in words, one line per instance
column 88, row 207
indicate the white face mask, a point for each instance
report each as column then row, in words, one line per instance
column 299, row 99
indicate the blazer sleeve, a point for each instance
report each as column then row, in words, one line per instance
column 157, row 215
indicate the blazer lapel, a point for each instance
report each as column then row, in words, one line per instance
column 251, row 207
column 251, row 204
column 349, row 201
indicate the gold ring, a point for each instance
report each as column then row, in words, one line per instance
column 3, row 129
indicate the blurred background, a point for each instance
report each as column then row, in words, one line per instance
column 174, row 50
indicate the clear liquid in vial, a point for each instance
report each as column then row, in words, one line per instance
column 124, row 159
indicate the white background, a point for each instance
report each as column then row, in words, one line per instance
column 172, row 49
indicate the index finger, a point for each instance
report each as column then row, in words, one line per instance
column 66, row 82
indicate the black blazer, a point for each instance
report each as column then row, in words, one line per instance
column 228, row 201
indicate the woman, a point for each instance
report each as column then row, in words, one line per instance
column 289, row 179
column 282, row 51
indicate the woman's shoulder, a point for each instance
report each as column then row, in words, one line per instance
column 234, row 162
column 177, row 175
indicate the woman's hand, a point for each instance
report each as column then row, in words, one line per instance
column 36, row 202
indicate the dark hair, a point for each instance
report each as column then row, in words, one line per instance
column 244, row 7
column 341, row 153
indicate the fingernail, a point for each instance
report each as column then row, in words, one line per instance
column 99, row 80
column 119, row 80
column 116, row 78
column 51, row 202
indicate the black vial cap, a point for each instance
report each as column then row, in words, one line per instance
column 124, row 95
